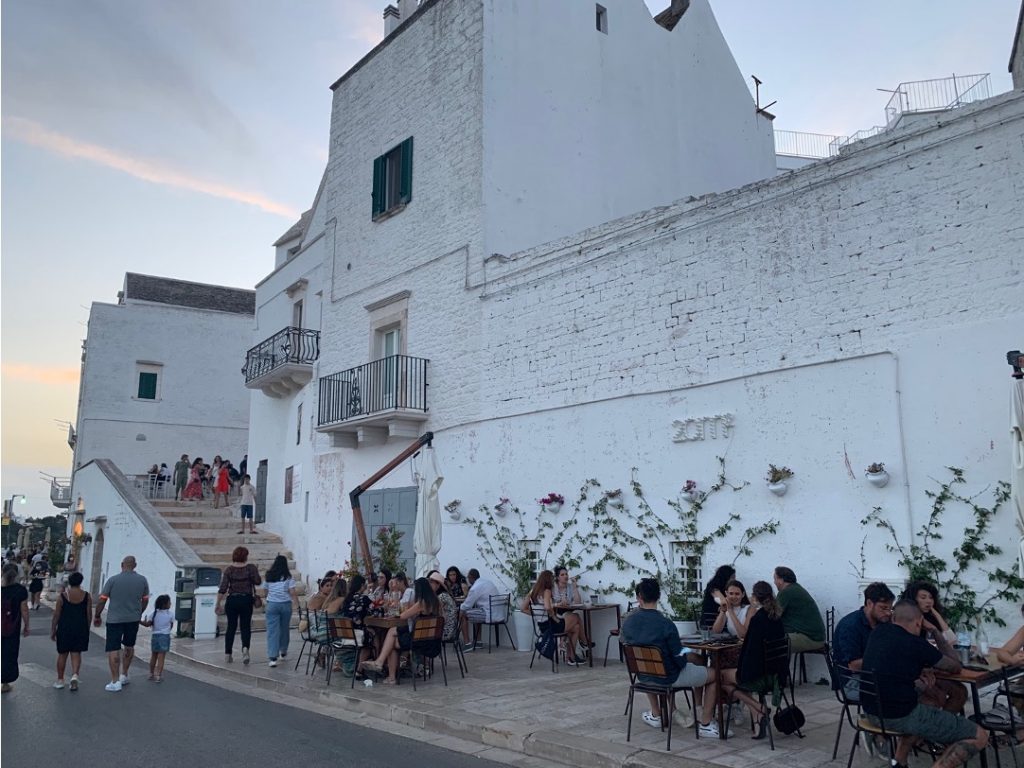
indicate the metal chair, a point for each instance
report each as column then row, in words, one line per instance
column 1001, row 722
column 649, row 660
column 839, row 675
column 320, row 639
column 830, row 625
column 342, row 638
column 427, row 634
column 307, row 635
column 776, row 665
column 864, row 724
column 498, row 610
column 539, row 616
column 614, row 632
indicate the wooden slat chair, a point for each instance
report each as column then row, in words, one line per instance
column 649, row 660
column 799, row 660
column 869, row 688
column 427, row 634
column 776, row 664
column 343, row 639
column 838, row 675
column 614, row 632
column 538, row 616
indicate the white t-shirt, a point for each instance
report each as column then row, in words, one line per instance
column 248, row 495
column 741, row 614
column 163, row 620
column 278, row 591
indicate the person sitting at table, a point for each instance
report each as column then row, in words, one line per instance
column 336, row 598
column 379, row 593
column 425, row 603
column 476, row 608
column 539, row 603
column 565, row 593
column 800, row 614
column 402, row 583
column 734, row 611
column 357, row 606
column 714, row 595
column 456, row 582
column 448, row 606
column 323, row 593
column 649, row 626
column 751, row 674
column 945, row 694
column 852, row 632
column 902, row 662
column 1012, row 652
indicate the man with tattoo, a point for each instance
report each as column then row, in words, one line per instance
column 902, row 663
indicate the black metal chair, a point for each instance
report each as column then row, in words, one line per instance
column 498, row 610
column 776, row 665
column 320, row 639
column 1001, row 721
column 649, row 660
column 455, row 641
column 838, row 676
column 830, row 625
column 342, row 640
column 614, row 632
column 539, row 616
column 427, row 645
column 868, row 684
column 307, row 635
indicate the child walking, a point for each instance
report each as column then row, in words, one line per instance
column 162, row 621
column 248, row 504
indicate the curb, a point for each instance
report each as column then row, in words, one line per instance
column 514, row 736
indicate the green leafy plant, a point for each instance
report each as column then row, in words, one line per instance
column 952, row 573
column 778, row 474
column 875, row 468
column 387, row 548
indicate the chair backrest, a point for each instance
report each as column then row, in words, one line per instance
column 869, row 689
column 306, row 634
column 340, row 629
column 776, row 658
column 499, row 607
column 644, row 660
column 840, row 675
column 427, row 628
column 830, row 624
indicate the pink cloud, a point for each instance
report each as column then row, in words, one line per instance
column 36, row 135
column 41, row 374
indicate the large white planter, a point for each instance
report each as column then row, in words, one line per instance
column 878, row 479
column 523, row 630
column 502, row 509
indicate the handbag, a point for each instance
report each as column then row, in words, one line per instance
column 257, row 601
column 547, row 644
column 789, row 720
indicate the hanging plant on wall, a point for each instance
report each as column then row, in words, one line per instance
column 777, row 479
column 552, row 502
column 453, row 508
column 876, row 474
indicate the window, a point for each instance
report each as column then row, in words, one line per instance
column 392, row 179
column 686, row 560
column 297, row 314
column 289, row 476
column 530, row 549
column 602, row 19
column 298, row 425
column 147, row 380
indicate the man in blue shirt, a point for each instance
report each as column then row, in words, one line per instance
column 851, row 634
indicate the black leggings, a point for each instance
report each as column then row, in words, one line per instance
column 238, row 609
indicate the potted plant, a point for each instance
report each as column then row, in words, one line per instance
column 614, row 498
column 690, row 490
column 777, row 477
column 503, row 507
column 452, row 508
column 521, row 569
column 877, row 475
column 552, row 502
column 685, row 611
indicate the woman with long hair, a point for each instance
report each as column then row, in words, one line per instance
column 540, row 604
column 15, row 621
column 943, row 694
column 455, row 582
column 221, row 484
column 734, row 612
column 565, row 593
column 282, row 599
column 448, row 606
column 194, row 489
column 425, row 603
column 714, row 595
column 236, row 598
column 379, row 593
column 357, row 606
column 326, row 585
column 765, row 625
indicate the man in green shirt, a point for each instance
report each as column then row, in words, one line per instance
column 800, row 614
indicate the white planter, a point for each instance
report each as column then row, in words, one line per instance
column 522, row 628
column 779, row 488
column 878, row 479
column 554, row 508
column 686, row 627
column 615, row 502
column 691, row 496
column 503, row 509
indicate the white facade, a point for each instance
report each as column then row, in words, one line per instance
column 854, row 311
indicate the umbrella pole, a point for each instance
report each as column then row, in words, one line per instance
column 357, row 512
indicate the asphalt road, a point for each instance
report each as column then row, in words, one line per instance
column 181, row 723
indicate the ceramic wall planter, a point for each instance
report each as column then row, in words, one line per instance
column 779, row 488
column 502, row 509
column 691, row 496
column 553, row 507
column 615, row 502
column 878, row 479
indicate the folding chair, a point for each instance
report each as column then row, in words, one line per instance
column 307, row 635
column 776, row 666
column 342, row 639
column 455, row 641
column 648, row 660
column 830, row 625
column 538, row 615
column 427, row 632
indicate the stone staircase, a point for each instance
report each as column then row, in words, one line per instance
column 213, row 534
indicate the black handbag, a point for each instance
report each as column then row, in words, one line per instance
column 789, row 720
column 547, row 644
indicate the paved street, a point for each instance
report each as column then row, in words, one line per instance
column 180, row 722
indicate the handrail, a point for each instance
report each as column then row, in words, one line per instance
column 934, row 95
column 289, row 345
column 398, row 382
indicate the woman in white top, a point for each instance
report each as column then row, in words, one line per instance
column 565, row 593
column 281, row 599
column 734, row 611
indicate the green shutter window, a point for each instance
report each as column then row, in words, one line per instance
column 147, row 386
column 379, row 169
column 405, row 194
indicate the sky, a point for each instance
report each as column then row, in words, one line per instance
column 182, row 137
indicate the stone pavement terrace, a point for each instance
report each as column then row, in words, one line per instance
column 573, row 717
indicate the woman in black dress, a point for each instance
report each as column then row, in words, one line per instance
column 35, row 586
column 15, row 624
column 72, row 616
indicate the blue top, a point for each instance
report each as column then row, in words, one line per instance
column 648, row 626
column 849, row 640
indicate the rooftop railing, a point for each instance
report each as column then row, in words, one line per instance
column 797, row 144
column 932, row 95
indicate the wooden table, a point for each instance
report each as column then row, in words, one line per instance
column 588, row 609
column 713, row 649
column 383, row 623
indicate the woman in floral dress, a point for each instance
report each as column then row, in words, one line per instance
column 194, row 489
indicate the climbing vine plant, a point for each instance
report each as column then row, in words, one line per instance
column 953, row 574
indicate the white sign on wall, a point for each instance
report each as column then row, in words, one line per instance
column 703, row 427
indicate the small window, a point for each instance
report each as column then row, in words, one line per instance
column 602, row 19
column 147, row 381
column 686, row 559
column 297, row 314
column 530, row 549
column 298, row 425
column 289, row 474
column 392, row 179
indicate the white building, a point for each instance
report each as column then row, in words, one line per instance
column 853, row 311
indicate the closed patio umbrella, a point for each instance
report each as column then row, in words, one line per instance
column 427, row 536
column 1017, row 460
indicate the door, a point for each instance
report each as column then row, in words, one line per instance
column 391, row 345
column 97, row 564
column 261, row 493
column 392, row 508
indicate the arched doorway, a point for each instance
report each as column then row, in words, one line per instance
column 97, row 563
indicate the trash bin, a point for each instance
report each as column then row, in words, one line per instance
column 205, row 626
column 184, row 601
column 208, row 577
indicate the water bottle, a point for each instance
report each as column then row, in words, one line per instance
column 981, row 641
column 963, row 645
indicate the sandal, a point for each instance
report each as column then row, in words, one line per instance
column 389, row 681
column 371, row 666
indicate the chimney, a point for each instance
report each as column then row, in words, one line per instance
column 406, row 8
column 391, row 20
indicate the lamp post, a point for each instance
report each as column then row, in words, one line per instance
column 8, row 516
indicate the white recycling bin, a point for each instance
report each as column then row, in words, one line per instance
column 206, row 613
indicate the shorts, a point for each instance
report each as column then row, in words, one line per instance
column 246, row 511
column 160, row 643
column 36, row 585
column 121, row 633
column 690, row 676
column 476, row 615
column 932, row 724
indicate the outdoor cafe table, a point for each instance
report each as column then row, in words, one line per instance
column 382, row 622
column 713, row 649
column 978, row 679
column 587, row 610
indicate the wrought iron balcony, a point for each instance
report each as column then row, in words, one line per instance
column 283, row 363
column 374, row 401
column 60, row 492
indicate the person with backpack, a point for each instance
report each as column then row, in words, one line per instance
column 14, row 624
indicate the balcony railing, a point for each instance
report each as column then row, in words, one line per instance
column 396, row 383
column 283, row 363
column 60, row 492
column 799, row 144
column 933, row 95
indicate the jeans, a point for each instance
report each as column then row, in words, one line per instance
column 238, row 609
column 279, row 616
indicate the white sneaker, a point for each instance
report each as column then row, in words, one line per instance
column 124, row 679
column 113, row 687
column 651, row 719
column 273, row 662
column 74, row 682
column 59, row 684
column 709, row 731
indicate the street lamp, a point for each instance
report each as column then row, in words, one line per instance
column 8, row 514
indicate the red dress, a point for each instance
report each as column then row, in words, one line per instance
column 194, row 489
column 223, row 481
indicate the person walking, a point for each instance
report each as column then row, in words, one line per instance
column 70, row 629
column 236, row 599
column 128, row 595
column 282, row 599
column 39, row 571
column 221, row 484
column 14, row 606
column 180, row 476
column 194, row 489
column 162, row 622
column 247, row 504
